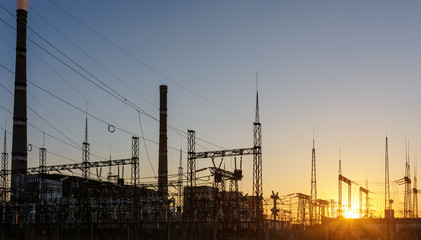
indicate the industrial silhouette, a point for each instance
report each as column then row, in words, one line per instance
column 46, row 203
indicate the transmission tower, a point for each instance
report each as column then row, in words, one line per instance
column 86, row 153
column 387, row 203
column 257, row 163
column 3, row 171
column 408, row 191
column 42, row 172
column 415, row 191
column 135, row 178
column 340, row 187
column 42, row 186
column 135, row 162
column 180, row 179
column 313, row 202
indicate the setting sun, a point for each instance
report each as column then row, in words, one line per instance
column 351, row 214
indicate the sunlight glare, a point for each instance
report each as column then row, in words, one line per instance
column 351, row 214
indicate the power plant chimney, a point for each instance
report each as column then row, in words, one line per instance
column 163, row 151
column 19, row 144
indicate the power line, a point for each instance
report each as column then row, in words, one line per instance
column 93, row 59
column 148, row 66
column 110, row 91
column 144, row 143
column 68, row 83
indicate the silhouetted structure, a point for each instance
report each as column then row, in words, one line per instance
column 19, row 144
column 163, row 152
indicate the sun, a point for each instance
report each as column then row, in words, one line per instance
column 351, row 214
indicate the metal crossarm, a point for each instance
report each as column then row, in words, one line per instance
column 69, row 167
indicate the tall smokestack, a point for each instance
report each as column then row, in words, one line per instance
column 163, row 151
column 19, row 144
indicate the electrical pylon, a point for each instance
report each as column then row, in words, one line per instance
column 313, row 202
column 257, row 163
column 340, row 187
column 387, row 203
column 415, row 192
column 86, row 153
column 180, row 179
column 3, row 171
column 408, row 191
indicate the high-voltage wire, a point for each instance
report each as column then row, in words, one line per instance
column 91, row 58
column 49, row 135
column 114, row 76
column 144, row 143
column 52, row 153
column 68, row 83
column 148, row 66
column 122, row 99
column 75, row 144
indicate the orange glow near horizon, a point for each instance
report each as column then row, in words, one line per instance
column 351, row 214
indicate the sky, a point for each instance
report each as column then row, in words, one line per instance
column 345, row 73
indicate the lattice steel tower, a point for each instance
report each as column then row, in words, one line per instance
column 85, row 153
column 180, row 179
column 257, row 161
column 415, row 192
column 387, row 204
column 3, row 172
column 313, row 202
column 191, row 158
column 340, row 187
column 42, row 172
column 135, row 173
column 407, row 200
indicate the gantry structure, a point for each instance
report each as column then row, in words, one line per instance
column 256, row 151
column 341, row 179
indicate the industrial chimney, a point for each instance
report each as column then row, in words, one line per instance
column 163, row 151
column 19, row 144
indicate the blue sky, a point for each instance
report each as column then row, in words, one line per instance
column 349, row 69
